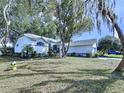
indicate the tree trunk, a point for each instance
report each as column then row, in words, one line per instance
column 65, row 49
column 118, row 72
column 7, row 19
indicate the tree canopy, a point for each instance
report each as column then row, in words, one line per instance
column 109, row 43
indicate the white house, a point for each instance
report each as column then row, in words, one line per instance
column 83, row 47
column 39, row 44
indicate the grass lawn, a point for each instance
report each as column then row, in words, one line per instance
column 69, row 75
column 114, row 56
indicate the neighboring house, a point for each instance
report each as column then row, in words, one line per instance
column 9, row 38
column 39, row 44
column 9, row 45
column 83, row 47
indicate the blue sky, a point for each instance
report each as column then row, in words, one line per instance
column 105, row 31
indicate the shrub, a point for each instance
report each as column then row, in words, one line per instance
column 96, row 55
column 89, row 55
column 73, row 54
column 34, row 54
column 27, row 51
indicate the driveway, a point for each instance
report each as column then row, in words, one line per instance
column 103, row 58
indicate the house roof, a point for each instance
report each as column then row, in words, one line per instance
column 37, row 37
column 50, row 40
column 32, row 36
column 83, row 42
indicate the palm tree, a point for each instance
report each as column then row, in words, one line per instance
column 104, row 11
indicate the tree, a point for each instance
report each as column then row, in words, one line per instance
column 27, row 16
column 2, row 21
column 5, row 8
column 34, row 17
column 104, row 11
column 109, row 43
column 71, row 19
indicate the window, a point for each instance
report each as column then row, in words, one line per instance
column 56, row 48
column 40, row 44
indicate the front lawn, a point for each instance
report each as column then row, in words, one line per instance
column 69, row 75
column 114, row 56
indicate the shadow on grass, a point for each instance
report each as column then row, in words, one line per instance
column 73, row 73
column 97, row 72
column 10, row 58
column 80, row 72
column 75, row 86
column 24, row 90
column 5, row 59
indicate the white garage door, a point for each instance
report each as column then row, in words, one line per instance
column 80, row 49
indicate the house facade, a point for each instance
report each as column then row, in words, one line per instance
column 39, row 44
column 83, row 47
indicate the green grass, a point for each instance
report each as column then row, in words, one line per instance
column 114, row 56
column 69, row 75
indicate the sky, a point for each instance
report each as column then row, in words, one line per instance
column 119, row 9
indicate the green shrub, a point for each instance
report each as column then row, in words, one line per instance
column 34, row 54
column 73, row 54
column 89, row 55
column 96, row 55
column 27, row 51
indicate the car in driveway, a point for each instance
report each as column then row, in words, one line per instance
column 114, row 52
